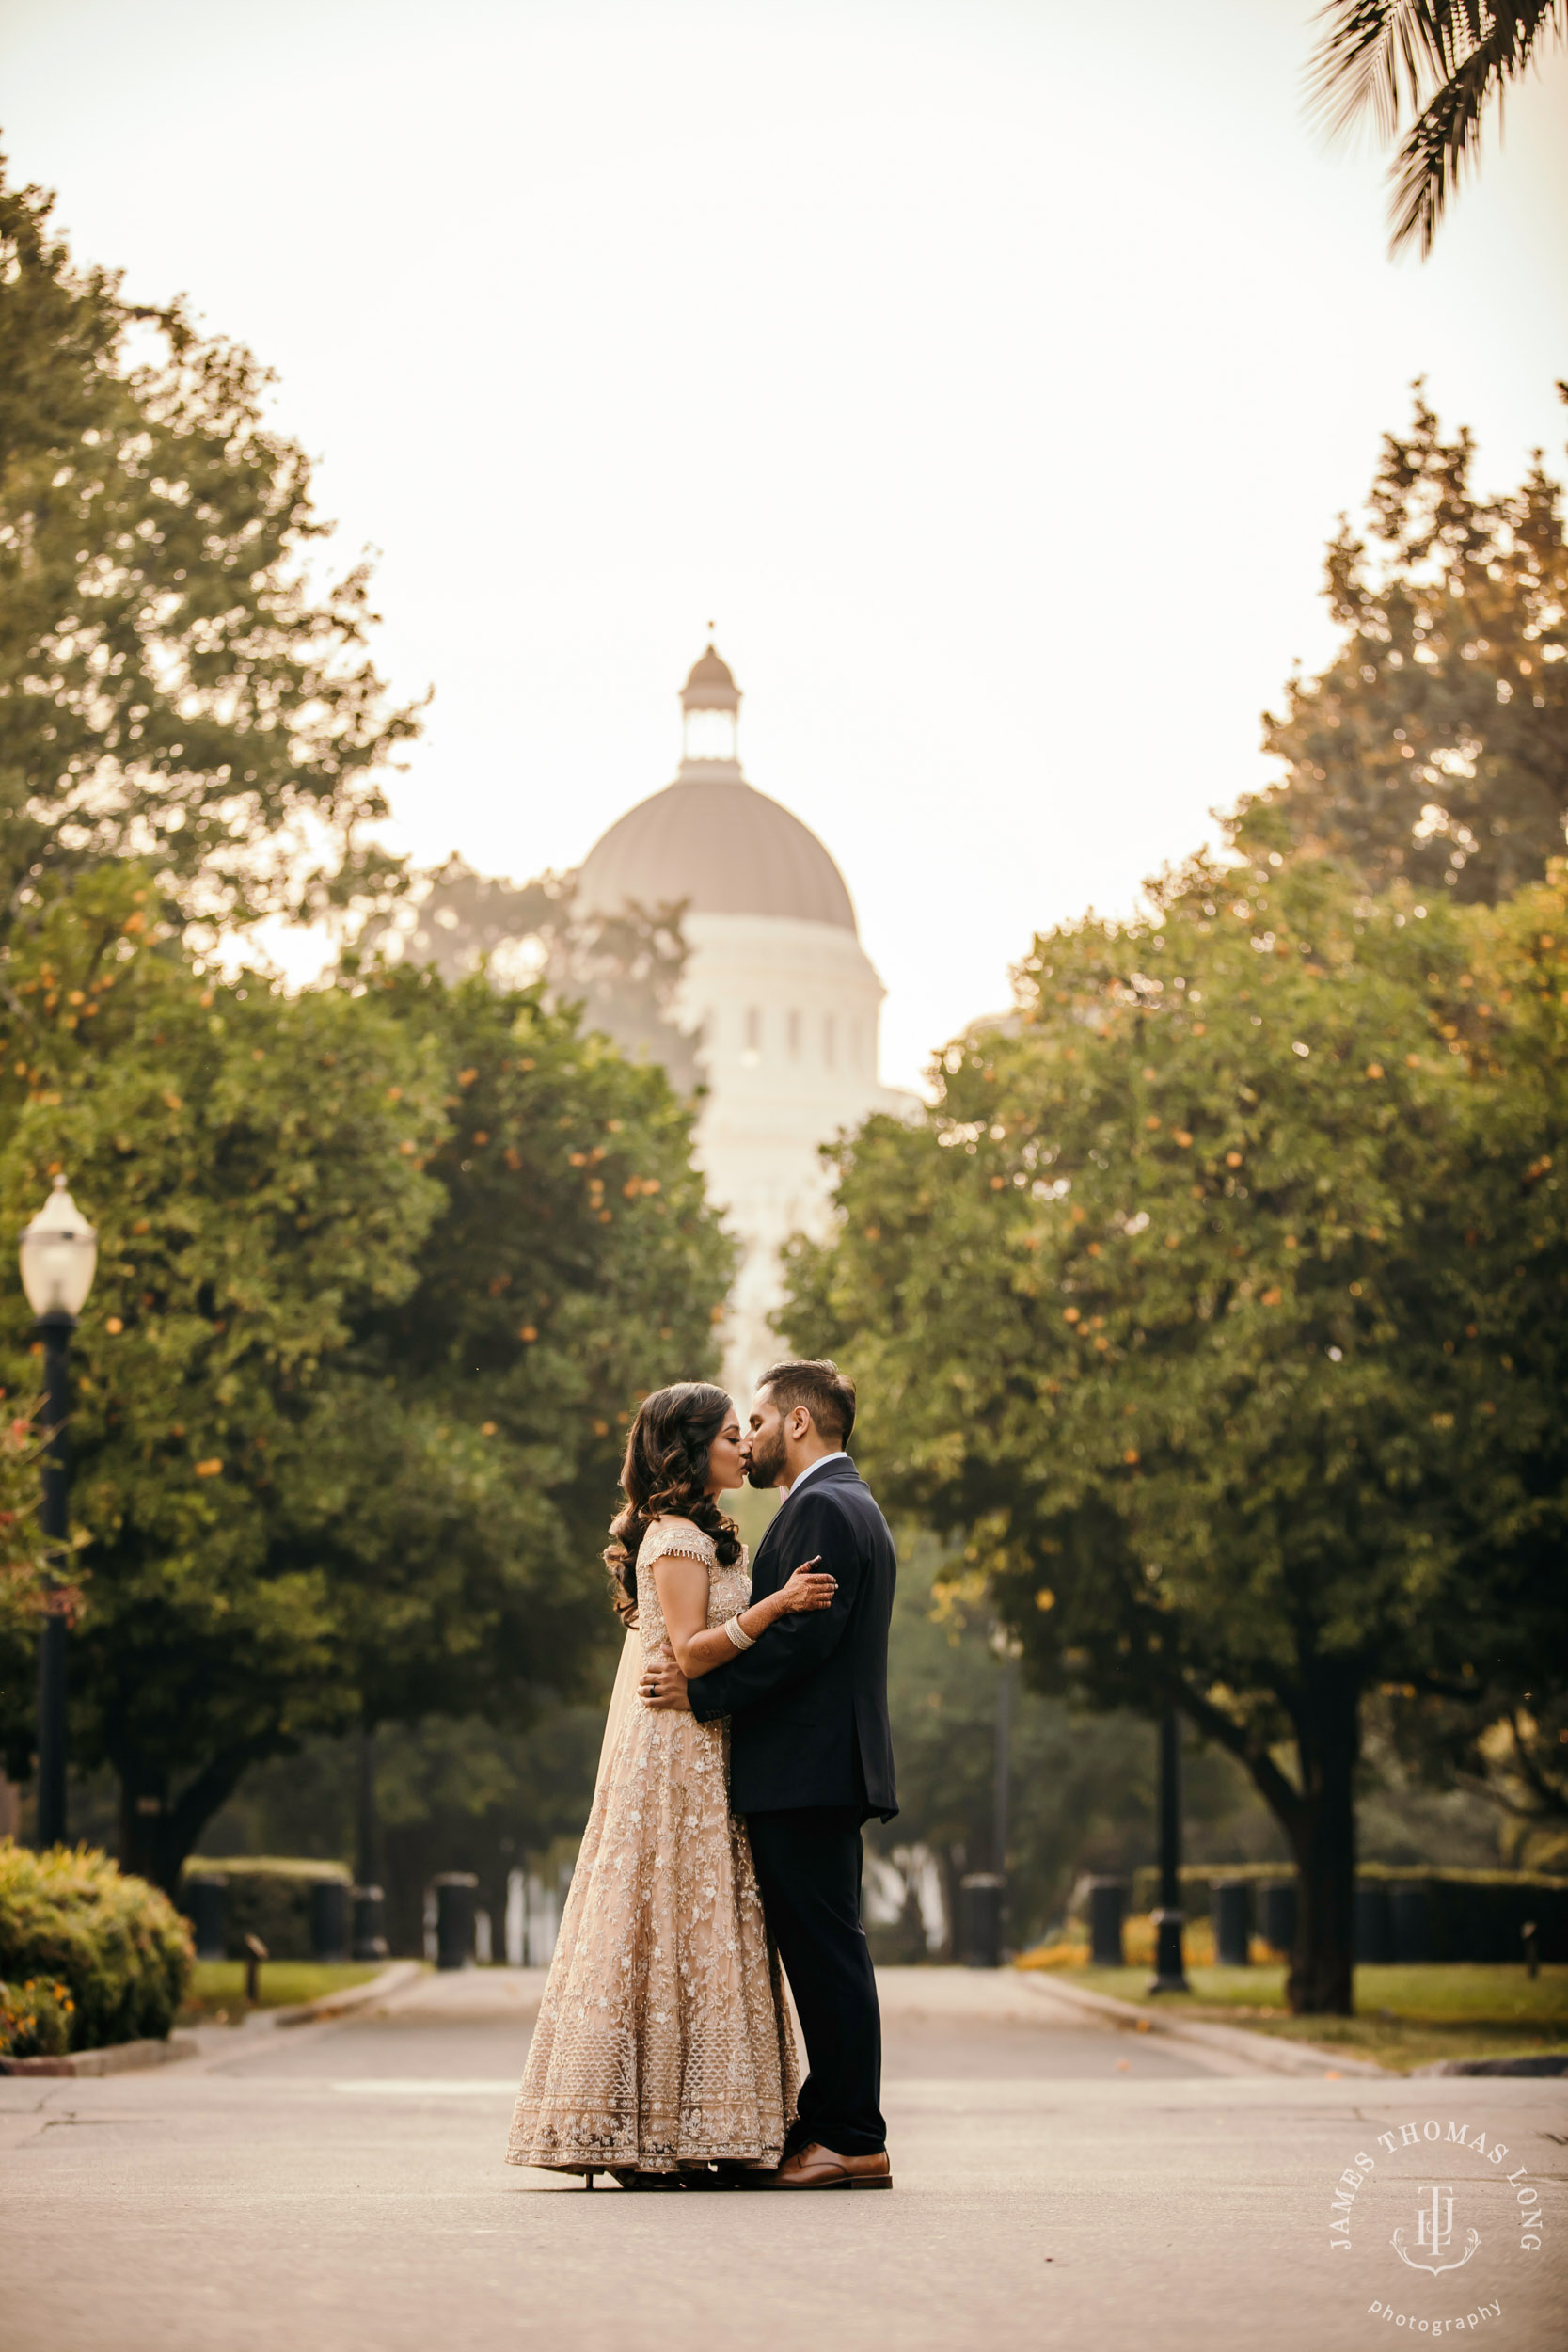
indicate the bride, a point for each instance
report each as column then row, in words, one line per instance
column 663, row 2046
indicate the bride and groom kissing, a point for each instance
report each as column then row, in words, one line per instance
column 747, row 1745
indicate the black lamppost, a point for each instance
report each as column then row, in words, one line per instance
column 1169, row 1974
column 58, row 1254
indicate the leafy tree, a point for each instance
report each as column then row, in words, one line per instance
column 369, row 1259
column 575, row 1266
column 171, row 683
column 1435, row 746
column 1081, row 1786
column 253, row 1165
column 1522, row 1753
column 1438, row 65
column 23, row 1554
column 451, row 1792
column 1506, row 1743
column 1219, row 1302
column 623, row 969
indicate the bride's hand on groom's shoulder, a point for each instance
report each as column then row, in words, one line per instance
column 664, row 1686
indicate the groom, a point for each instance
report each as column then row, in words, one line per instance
column 811, row 1759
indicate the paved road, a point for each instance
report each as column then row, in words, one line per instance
column 339, row 2188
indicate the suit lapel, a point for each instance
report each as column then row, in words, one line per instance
column 765, row 1578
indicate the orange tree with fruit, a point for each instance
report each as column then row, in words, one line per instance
column 1219, row 1303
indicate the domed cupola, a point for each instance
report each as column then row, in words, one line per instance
column 709, row 840
column 710, row 708
column 780, row 996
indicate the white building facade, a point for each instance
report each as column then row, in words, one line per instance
column 783, row 998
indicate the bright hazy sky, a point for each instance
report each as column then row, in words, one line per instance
column 992, row 371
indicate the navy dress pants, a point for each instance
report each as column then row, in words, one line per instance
column 808, row 1866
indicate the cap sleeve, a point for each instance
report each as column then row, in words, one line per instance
column 679, row 1537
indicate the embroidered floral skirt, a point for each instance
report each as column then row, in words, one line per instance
column 662, row 2039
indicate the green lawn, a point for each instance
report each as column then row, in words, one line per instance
column 1404, row 2016
column 216, row 1996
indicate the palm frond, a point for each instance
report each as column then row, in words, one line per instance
column 1443, row 140
column 1378, row 57
column 1440, row 62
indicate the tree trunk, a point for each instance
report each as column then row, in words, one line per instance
column 1322, row 1830
column 155, row 1833
column 143, row 1822
column 1318, row 1818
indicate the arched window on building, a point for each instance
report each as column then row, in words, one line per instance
column 793, row 1032
column 754, row 1033
column 830, row 1041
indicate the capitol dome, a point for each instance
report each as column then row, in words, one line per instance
column 709, row 839
column 725, row 848
column 777, row 991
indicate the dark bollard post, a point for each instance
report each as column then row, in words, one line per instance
column 328, row 1921
column 1107, row 1909
column 980, row 1918
column 1230, row 1908
column 1530, row 1937
column 1170, row 1976
column 370, row 1924
column 204, row 1905
column 456, row 1891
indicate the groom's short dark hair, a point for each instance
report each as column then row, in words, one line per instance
column 827, row 1394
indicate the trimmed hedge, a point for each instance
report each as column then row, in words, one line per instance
column 1463, row 1915
column 267, row 1895
column 119, row 1947
column 35, row 2019
column 1480, row 1914
column 1196, row 1879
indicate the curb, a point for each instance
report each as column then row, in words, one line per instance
column 124, row 2057
column 1548, row 2062
column 396, row 1979
column 1269, row 2054
column 228, row 2045
column 119, row 2058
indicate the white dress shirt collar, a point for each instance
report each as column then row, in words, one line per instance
column 838, row 1454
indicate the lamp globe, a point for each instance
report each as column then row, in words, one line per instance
column 58, row 1254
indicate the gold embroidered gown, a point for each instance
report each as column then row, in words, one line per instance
column 662, row 2038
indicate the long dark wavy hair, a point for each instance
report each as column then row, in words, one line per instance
column 666, row 1470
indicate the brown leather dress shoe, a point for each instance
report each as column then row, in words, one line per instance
column 815, row 2166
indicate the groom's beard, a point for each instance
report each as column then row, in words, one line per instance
column 764, row 1468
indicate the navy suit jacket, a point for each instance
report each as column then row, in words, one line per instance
column 808, row 1703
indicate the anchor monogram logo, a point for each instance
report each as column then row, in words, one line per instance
column 1435, row 2235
